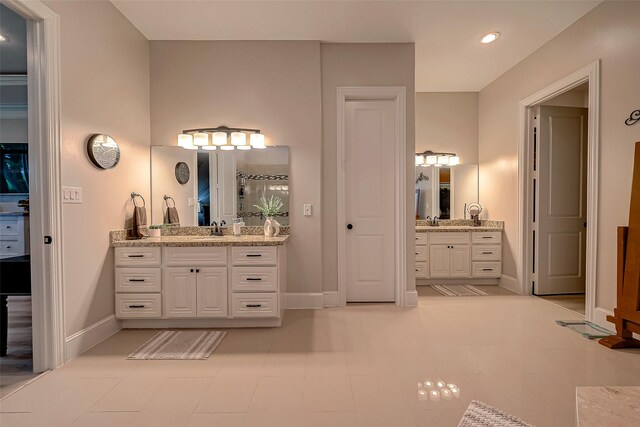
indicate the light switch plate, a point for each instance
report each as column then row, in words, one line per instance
column 72, row 195
column 191, row 201
column 307, row 209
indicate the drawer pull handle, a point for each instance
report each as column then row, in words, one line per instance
column 136, row 256
column 254, row 279
column 487, row 269
column 254, row 255
column 487, row 253
column 136, row 306
column 487, row 237
column 254, row 305
column 136, row 280
column 8, row 247
column 8, row 226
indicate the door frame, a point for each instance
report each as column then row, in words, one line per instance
column 590, row 74
column 397, row 94
column 43, row 63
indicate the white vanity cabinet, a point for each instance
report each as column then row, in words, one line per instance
column 14, row 235
column 184, row 286
column 449, row 255
column 422, row 255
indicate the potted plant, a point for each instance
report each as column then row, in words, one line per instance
column 155, row 230
column 269, row 209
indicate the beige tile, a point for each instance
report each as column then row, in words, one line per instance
column 273, row 419
column 12, row 419
column 277, row 394
column 285, row 364
column 330, row 419
column 216, row 419
column 228, row 393
column 327, row 392
column 132, row 394
column 160, row 418
column 104, row 419
column 178, row 395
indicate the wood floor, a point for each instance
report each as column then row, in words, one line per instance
column 16, row 369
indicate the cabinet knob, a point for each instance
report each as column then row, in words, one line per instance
column 191, row 270
column 349, row 226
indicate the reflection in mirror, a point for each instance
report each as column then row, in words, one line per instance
column 223, row 185
column 445, row 191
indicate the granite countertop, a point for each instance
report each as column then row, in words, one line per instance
column 227, row 240
column 453, row 225
column 607, row 406
column 14, row 213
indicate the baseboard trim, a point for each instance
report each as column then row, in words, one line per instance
column 411, row 299
column 510, row 283
column 90, row 336
column 304, row 300
column 331, row 299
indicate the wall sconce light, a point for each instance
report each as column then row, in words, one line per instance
column 429, row 158
column 222, row 137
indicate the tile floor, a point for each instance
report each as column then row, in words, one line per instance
column 358, row 365
column 570, row 302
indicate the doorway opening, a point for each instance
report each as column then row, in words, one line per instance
column 558, row 169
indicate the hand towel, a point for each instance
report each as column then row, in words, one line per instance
column 172, row 216
column 140, row 222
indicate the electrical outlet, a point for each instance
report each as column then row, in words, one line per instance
column 307, row 209
column 72, row 195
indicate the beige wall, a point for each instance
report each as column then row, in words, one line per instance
column 611, row 33
column 105, row 88
column 361, row 65
column 448, row 122
column 164, row 182
column 272, row 86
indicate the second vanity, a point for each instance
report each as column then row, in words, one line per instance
column 200, row 281
column 457, row 250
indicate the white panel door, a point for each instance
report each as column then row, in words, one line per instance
column 179, row 293
column 212, row 291
column 561, row 216
column 439, row 260
column 222, row 178
column 369, row 200
column 459, row 262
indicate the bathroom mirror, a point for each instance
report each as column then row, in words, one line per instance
column 445, row 191
column 223, row 185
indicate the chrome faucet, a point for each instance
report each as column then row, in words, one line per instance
column 434, row 221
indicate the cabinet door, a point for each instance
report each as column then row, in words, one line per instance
column 212, row 292
column 439, row 261
column 179, row 293
column 459, row 265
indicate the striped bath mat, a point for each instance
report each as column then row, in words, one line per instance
column 459, row 290
column 179, row 345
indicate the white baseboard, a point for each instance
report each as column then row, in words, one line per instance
column 304, row 300
column 331, row 298
column 411, row 298
column 90, row 336
column 510, row 283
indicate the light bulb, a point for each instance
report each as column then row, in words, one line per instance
column 238, row 138
column 243, row 147
column 200, row 138
column 490, row 38
column 419, row 160
column 454, row 160
column 443, row 160
column 227, row 147
column 432, row 160
column 209, row 147
column 184, row 139
column 219, row 138
column 256, row 140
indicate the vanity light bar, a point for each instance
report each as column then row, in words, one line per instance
column 429, row 158
column 221, row 137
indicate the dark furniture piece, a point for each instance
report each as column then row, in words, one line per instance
column 15, row 279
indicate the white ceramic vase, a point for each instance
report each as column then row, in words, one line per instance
column 271, row 227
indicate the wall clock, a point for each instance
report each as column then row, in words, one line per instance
column 103, row 151
column 182, row 172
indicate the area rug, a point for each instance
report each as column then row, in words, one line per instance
column 179, row 345
column 459, row 290
column 479, row 414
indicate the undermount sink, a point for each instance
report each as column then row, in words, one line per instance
column 207, row 237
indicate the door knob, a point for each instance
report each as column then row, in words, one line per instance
column 349, row 226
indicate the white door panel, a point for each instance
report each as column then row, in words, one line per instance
column 212, row 292
column 179, row 292
column 369, row 200
column 561, row 212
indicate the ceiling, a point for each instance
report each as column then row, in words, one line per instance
column 449, row 56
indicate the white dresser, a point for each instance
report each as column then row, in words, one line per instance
column 453, row 255
column 14, row 234
column 217, row 286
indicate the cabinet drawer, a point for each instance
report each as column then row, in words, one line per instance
column 200, row 256
column 138, row 279
column 135, row 306
column 487, row 269
column 254, row 305
column 422, row 253
column 422, row 270
column 11, row 247
column 9, row 227
column 254, row 279
column 422, row 239
column 486, row 237
column 486, row 252
column 448, row 238
column 138, row 256
column 254, row 255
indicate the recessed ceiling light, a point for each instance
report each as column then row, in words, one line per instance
column 2, row 38
column 491, row 37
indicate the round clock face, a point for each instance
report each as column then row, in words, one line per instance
column 182, row 172
column 103, row 151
